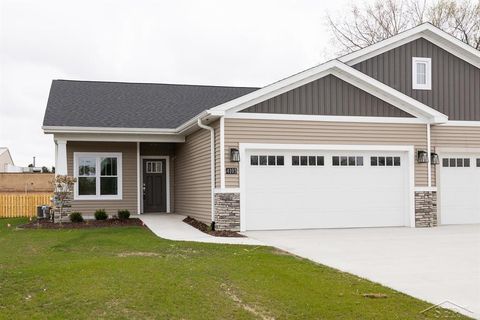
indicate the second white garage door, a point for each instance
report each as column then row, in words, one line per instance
column 459, row 188
column 295, row 189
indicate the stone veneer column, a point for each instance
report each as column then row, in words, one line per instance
column 227, row 211
column 425, row 209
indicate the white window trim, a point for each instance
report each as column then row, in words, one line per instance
column 97, row 156
column 428, row 73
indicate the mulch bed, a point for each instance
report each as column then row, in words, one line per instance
column 46, row 224
column 206, row 229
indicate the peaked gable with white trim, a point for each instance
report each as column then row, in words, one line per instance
column 343, row 72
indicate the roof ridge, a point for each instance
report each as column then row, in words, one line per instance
column 153, row 83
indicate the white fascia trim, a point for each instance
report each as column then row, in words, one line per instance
column 144, row 131
column 344, row 72
column 301, row 117
column 461, row 124
column 67, row 129
column 123, row 137
column 427, row 31
column 410, row 215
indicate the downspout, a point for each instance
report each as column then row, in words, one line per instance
column 429, row 156
column 212, row 167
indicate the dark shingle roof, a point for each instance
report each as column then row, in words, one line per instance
column 131, row 105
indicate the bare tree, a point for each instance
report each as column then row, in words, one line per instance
column 370, row 23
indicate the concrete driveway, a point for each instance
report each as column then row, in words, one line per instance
column 434, row 264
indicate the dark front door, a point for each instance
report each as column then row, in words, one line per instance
column 154, row 185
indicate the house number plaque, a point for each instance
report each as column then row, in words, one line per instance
column 231, row 170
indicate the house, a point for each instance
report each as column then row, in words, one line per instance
column 385, row 136
column 6, row 160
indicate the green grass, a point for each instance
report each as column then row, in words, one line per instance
column 128, row 273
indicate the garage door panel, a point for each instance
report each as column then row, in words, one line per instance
column 459, row 188
column 325, row 196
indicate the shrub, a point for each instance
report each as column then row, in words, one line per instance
column 76, row 217
column 100, row 214
column 123, row 214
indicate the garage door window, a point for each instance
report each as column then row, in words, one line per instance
column 344, row 161
column 267, row 160
column 308, row 160
column 456, row 162
column 385, row 161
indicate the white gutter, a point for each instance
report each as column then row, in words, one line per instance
column 212, row 164
column 429, row 156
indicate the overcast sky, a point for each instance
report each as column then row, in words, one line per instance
column 237, row 43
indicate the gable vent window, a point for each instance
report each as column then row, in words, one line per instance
column 421, row 73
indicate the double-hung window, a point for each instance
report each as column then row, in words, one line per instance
column 99, row 176
column 421, row 73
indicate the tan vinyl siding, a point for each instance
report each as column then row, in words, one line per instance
column 129, row 178
column 455, row 83
column 328, row 96
column 192, row 172
column 163, row 149
column 455, row 137
column 312, row 132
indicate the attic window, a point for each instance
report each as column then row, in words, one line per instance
column 421, row 73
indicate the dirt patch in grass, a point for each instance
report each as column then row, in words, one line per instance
column 206, row 229
column 249, row 308
column 138, row 254
column 46, row 224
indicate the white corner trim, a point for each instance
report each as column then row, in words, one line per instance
column 222, row 152
column 410, row 150
column 97, row 156
column 167, row 169
column 301, row 117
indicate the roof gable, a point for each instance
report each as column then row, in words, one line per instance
column 328, row 96
column 425, row 30
column 455, row 83
column 344, row 72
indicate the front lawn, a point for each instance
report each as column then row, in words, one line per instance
column 128, row 273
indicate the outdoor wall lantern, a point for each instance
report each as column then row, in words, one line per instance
column 422, row 156
column 435, row 159
column 234, row 155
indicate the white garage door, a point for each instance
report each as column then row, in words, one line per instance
column 294, row 189
column 459, row 187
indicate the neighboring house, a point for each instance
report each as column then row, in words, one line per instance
column 5, row 159
column 385, row 136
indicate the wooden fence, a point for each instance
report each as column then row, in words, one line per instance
column 21, row 204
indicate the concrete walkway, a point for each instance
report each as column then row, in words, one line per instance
column 171, row 227
column 434, row 264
